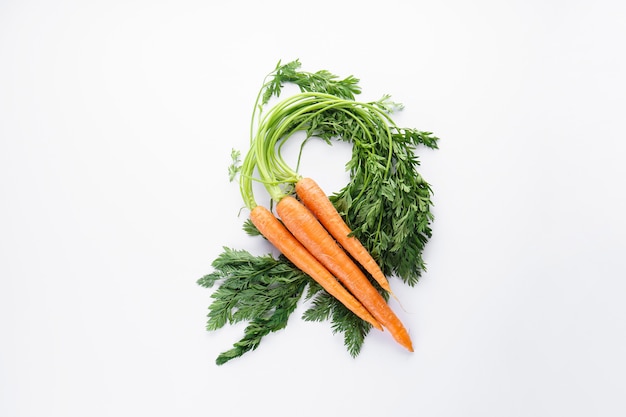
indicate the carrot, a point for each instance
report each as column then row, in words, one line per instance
column 314, row 198
column 310, row 232
column 287, row 244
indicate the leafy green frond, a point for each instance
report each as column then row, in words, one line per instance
column 261, row 290
column 320, row 309
column 250, row 228
column 353, row 328
column 325, row 307
column 235, row 165
column 321, row 81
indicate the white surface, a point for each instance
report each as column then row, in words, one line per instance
column 116, row 124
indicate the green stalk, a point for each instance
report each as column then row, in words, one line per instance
column 292, row 116
column 295, row 114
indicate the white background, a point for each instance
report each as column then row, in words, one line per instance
column 116, row 123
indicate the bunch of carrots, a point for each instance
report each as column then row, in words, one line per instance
column 308, row 230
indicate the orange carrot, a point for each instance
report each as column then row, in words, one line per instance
column 310, row 232
column 314, row 198
column 287, row 244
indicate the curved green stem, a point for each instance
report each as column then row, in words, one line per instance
column 294, row 114
column 245, row 179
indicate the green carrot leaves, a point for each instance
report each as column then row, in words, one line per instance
column 235, row 166
column 320, row 81
column 264, row 291
column 260, row 290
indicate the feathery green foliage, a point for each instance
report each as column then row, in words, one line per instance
column 260, row 290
